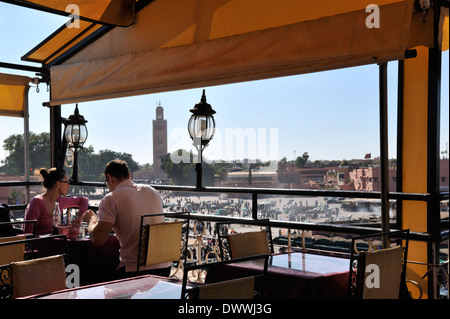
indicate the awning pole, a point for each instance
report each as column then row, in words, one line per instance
column 384, row 154
column 20, row 67
column 55, row 136
column 26, row 143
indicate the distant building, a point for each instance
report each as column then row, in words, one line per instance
column 261, row 179
column 369, row 179
column 15, row 195
column 311, row 177
column 352, row 177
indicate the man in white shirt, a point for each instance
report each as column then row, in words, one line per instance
column 121, row 211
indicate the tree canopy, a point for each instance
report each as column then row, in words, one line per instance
column 182, row 171
column 300, row 161
column 39, row 153
column 90, row 164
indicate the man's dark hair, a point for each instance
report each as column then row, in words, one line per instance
column 118, row 169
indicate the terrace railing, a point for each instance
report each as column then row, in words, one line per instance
column 439, row 272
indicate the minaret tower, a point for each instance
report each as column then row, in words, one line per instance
column 159, row 139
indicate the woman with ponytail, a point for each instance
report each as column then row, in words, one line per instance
column 40, row 208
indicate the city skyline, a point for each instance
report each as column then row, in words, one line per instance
column 332, row 115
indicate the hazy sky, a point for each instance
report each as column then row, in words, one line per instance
column 330, row 115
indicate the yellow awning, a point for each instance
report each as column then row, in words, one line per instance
column 61, row 41
column 184, row 44
column 72, row 33
column 443, row 30
column 181, row 44
column 13, row 94
column 114, row 12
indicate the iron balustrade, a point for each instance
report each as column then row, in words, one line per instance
column 254, row 192
column 345, row 229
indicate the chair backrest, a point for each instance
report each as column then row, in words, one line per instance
column 241, row 288
column 41, row 275
column 248, row 244
column 164, row 242
column 236, row 288
column 380, row 273
column 13, row 252
column 159, row 243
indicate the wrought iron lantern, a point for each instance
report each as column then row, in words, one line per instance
column 201, row 128
column 76, row 134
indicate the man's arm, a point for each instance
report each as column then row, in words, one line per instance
column 98, row 230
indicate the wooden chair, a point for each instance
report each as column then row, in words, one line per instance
column 36, row 276
column 159, row 243
column 29, row 248
column 379, row 273
column 17, row 249
column 250, row 287
column 8, row 254
column 12, row 252
column 244, row 244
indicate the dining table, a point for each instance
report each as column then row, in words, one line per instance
column 294, row 275
column 95, row 263
column 139, row 287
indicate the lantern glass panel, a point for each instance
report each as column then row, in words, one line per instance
column 201, row 127
column 76, row 135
